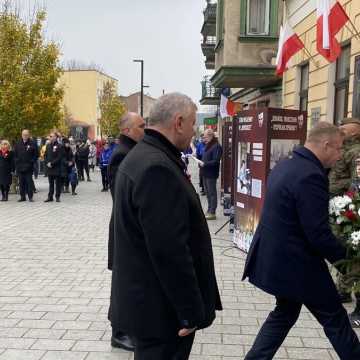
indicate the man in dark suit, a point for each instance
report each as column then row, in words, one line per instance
column 131, row 127
column 25, row 157
column 163, row 278
column 290, row 246
column 53, row 161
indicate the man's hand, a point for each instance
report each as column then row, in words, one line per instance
column 48, row 164
column 186, row 332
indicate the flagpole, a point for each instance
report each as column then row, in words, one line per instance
column 311, row 57
column 357, row 34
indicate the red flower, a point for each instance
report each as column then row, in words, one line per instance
column 350, row 194
column 350, row 215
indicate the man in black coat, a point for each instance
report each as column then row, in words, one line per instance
column 53, row 162
column 290, row 246
column 131, row 127
column 163, row 278
column 25, row 157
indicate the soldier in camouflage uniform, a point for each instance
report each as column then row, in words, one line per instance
column 344, row 170
column 343, row 177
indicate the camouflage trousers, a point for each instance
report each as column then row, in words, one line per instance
column 342, row 288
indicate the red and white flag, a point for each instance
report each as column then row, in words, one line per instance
column 289, row 45
column 227, row 107
column 331, row 17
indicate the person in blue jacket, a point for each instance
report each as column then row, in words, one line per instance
column 293, row 241
column 104, row 163
column 200, row 148
column 210, row 170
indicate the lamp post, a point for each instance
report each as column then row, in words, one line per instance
column 142, row 86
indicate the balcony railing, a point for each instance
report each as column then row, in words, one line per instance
column 210, row 13
column 208, row 47
column 208, row 90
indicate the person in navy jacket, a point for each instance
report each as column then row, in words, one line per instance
column 293, row 240
column 104, row 163
column 210, row 171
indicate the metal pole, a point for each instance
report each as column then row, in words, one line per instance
column 141, row 86
column 142, row 89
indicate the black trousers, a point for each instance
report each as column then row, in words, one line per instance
column 54, row 181
column 105, row 177
column 26, row 184
column 201, row 179
column 331, row 315
column 177, row 348
column 85, row 166
column 211, row 194
column 4, row 190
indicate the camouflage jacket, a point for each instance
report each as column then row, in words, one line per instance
column 344, row 171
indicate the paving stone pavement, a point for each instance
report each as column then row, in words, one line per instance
column 54, row 287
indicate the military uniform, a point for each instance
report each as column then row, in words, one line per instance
column 343, row 177
column 344, row 170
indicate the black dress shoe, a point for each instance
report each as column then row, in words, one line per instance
column 31, row 200
column 123, row 342
column 57, row 200
column 21, row 200
column 48, row 200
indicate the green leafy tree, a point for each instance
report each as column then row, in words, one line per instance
column 111, row 109
column 29, row 72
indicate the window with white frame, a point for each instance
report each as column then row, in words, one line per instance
column 258, row 17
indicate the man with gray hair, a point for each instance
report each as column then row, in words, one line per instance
column 291, row 243
column 163, row 278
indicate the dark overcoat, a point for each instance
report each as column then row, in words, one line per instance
column 211, row 159
column 67, row 157
column 163, row 274
column 7, row 166
column 25, row 156
column 293, row 239
column 54, row 154
column 118, row 155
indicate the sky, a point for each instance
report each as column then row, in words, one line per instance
column 111, row 33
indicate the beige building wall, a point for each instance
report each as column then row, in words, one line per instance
column 302, row 17
column 82, row 91
column 133, row 103
column 239, row 53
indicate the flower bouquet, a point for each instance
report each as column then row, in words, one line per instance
column 344, row 212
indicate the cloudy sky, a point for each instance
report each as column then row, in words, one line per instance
column 111, row 33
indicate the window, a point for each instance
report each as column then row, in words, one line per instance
column 258, row 16
column 356, row 95
column 259, row 20
column 304, row 87
column 342, row 85
column 220, row 21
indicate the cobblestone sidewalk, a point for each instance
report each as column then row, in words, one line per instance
column 54, row 287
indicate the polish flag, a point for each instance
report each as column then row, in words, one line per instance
column 289, row 45
column 331, row 17
column 227, row 107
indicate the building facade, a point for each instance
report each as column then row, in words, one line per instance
column 82, row 91
column 133, row 103
column 246, row 33
column 327, row 91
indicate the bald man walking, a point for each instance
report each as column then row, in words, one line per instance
column 131, row 127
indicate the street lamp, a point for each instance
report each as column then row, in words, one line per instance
column 142, row 85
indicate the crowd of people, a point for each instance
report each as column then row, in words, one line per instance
column 164, row 285
column 64, row 161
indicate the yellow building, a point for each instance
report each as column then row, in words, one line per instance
column 82, row 91
column 327, row 91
